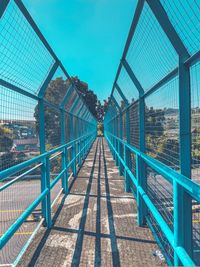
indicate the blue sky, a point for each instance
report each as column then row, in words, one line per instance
column 87, row 35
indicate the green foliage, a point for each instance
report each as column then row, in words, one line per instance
column 55, row 93
column 56, row 90
column 6, row 141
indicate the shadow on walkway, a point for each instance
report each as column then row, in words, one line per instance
column 95, row 224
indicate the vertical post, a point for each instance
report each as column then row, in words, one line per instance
column 117, row 141
column 45, row 169
column 73, row 145
column 79, row 142
column 64, row 154
column 115, row 134
column 140, row 165
column 120, row 145
column 127, row 154
column 126, row 183
column 48, row 196
column 182, row 201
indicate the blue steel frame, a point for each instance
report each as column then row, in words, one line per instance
column 81, row 143
column 183, row 193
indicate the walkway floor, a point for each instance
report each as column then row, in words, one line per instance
column 95, row 225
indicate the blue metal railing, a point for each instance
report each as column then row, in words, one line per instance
column 83, row 144
column 193, row 189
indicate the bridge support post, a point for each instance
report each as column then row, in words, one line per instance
column 64, row 154
column 74, row 157
column 182, row 200
column 73, row 152
column 141, row 166
column 117, row 142
column 120, row 145
column 45, row 169
column 127, row 154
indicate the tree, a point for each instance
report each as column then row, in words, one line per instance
column 55, row 93
column 6, row 141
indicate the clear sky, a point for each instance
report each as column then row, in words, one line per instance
column 88, row 36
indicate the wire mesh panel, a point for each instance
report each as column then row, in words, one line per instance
column 195, row 120
column 57, row 88
column 14, row 200
column 124, row 133
column 71, row 99
column 185, row 17
column 75, row 128
column 67, row 127
column 127, row 86
column 167, row 249
column 151, row 54
column 25, row 62
column 18, row 128
column 134, row 125
column 119, row 99
column 55, row 170
column 160, row 192
column 52, row 127
column 162, row 124
column 196, row 231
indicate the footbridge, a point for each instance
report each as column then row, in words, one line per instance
column 129, row 198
